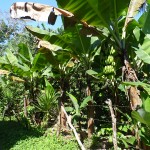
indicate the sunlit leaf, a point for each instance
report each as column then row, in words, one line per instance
column 144, row 85
column 147, row 104
column 85, row 102
column 75, row 103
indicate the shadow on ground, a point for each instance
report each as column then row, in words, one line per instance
column 12, row 131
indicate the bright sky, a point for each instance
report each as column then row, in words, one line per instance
column 5, row 6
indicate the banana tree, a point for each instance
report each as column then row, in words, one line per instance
column 96, row 17
column 62, row 66
column 83, row 48
column 23, row 67
column 92, row 15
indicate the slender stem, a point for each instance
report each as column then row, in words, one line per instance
column 73, row 129
column 115, row 37
column 116, row 21
column 109, row 102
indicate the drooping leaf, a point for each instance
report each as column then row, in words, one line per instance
column 143, row 52
column 144, row 85
column 85, row 102
column 137, row 116
column 48, row 45
column 25, row 52
column 75, row 103
column 59, row 40
column 36, row 11
column 147, row 104
column 91, row 72
column 11, row 57
column 94, row 11
column 38, row 32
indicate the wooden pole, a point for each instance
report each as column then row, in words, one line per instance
column 113, row 124
column 73, row 129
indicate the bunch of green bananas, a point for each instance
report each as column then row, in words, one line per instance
column 108, row 63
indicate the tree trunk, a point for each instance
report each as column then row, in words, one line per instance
column 133, row 93
column 90, row 113
column 62, row 120
column 129, row 75
column 25, row 106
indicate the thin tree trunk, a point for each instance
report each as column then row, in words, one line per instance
column 62, row 117
column 133, row 93
column 25, row 106
column 90, row 107
column 73, row 129
column 130, row 75
column 109, row 102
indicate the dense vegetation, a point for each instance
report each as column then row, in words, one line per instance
column 95, row 59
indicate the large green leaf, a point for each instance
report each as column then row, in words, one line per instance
column 145, row 21
column 39, row 62
column 25, row 52
column 75, row 103
column 85, row 102
column 141, row 116
column 144, row 85
column 59, row 40
column 147, row 104
column 95, row 12
column 143, row 52
column 75, row 44
column 145, row 115
column 12, row 59
column 38, row 32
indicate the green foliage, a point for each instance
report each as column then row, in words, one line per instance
column 142, row 116
column 49, row 142
column 47, row 100
column 11, row 95
column 143, row 52
column 78, row 107
column 145, row 86
column 144, row 21
column 47, row 103
column 94, row 13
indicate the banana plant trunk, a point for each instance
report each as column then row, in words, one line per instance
column 62, row 120
column 25, row 106
column 133, row 93
column 90, row 108
column 129, row 75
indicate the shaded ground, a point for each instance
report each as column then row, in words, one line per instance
column 12, row 132
column 14, row 136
